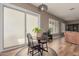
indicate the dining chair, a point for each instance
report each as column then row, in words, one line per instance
column 32, row 47
column 44, row 42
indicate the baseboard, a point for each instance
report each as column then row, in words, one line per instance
column 8, row 49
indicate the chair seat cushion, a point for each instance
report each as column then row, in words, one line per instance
column 43, row 41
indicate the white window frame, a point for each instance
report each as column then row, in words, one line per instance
column 55, row 21
column 19, row 9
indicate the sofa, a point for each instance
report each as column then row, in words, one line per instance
column 72, row 37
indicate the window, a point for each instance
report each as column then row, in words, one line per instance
column 53, row 26
column 14, row 21
column 32, row 21
column 15, row 26
column 62, row 27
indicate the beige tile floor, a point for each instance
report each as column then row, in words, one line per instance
column 61, row 47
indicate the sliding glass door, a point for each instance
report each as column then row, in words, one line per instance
column 32, row 21
column 14, row 27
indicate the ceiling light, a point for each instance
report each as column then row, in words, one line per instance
column 43, row 7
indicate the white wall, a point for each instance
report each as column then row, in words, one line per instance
column 62, row 27
column 73, row 22
column 1, row 27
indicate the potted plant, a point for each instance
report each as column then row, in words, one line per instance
column 37, row 30
column 49, row 31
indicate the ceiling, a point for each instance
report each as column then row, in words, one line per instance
column 66, row 11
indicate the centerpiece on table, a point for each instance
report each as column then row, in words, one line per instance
column 38, row 31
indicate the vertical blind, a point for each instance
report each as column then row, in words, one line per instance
column 14, row 26
column 32, row 21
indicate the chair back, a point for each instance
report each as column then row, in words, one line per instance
column 30, row 40
column 45, row 36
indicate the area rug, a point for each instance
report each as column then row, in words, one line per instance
column 24, row 52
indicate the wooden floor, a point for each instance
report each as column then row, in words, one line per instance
column 61, row 47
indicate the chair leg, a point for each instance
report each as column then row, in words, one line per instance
column 32, row 52
column 28, row 51
column 47, row 46
column 41, row 52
